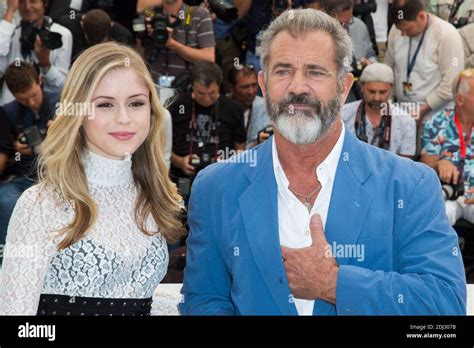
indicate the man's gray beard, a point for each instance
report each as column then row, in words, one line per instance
column 303, row 127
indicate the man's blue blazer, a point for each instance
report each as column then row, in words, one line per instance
column 392, row 206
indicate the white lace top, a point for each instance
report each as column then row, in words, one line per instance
column 113, row 260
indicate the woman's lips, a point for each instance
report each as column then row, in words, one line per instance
column 124, row 136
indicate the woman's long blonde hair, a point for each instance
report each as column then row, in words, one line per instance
column 60, row 161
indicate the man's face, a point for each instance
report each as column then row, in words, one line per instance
column 302, row 90
column 466, row 101
column 345, row 17
column 32, row 98
column 412, row 28
column 31, row 10
column 376, row 93
column 205, row 96
column 245, row 89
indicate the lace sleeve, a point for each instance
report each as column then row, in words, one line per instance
column 166, row 299
column 27, row 253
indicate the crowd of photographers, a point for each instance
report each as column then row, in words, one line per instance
column 204, row 58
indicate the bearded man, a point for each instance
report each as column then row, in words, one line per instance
column 319, row 223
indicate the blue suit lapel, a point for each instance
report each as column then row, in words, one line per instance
column 350, row 203
column 259, row 209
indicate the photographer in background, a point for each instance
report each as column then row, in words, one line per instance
column 448, row 148
column 364, row 53
column 229, row 41
column 28, row 118
column 176, row 36
column 38, row 40
column 243, row 86
column 425, row 53
column 363, row 9
column 375, row 120
column 93, row 27
column 121, row 11
column 257, row 16
column 204, row 124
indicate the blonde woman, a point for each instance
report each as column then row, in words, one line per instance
column 90, row 238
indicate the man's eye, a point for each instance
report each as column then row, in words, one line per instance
column 282, row 72
column 105, row 105
column 315, row 73
column 137, row 104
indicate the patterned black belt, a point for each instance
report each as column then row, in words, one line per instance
column 92, row 306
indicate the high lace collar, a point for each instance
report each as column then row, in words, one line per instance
column 105, row 171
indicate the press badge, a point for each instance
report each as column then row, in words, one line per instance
column 407, row 88
column 165, row 81
column 76, row 5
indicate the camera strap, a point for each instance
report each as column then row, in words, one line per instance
column 193, row 125
column 384, row 128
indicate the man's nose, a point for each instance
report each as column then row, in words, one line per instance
column 251, row 91
column 378, row 97
column 298, row 84
column 31, row 102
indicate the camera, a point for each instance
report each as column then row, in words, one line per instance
column 452, row 192
column 223, row 11
column 48, row 38
column 460, row 22
column 268, row 130
column 202, row 162
column 357, row 69
column 159, row 21
column 32, row 136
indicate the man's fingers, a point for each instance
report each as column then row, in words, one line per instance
column 469, row 201
column 317, row 230
column 38, row 41
column 454, row 174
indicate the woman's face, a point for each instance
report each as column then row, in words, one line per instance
column 121, row 120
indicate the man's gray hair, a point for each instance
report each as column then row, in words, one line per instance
column 301, row 21
column 461, row 85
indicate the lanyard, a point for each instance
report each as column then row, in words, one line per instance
column 462, row 142
column 411, row 64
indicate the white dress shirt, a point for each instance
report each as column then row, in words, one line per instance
column 293, row 216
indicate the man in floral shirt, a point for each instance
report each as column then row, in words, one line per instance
column 451, row 155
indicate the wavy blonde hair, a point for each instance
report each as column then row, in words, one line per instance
column 60, row 162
